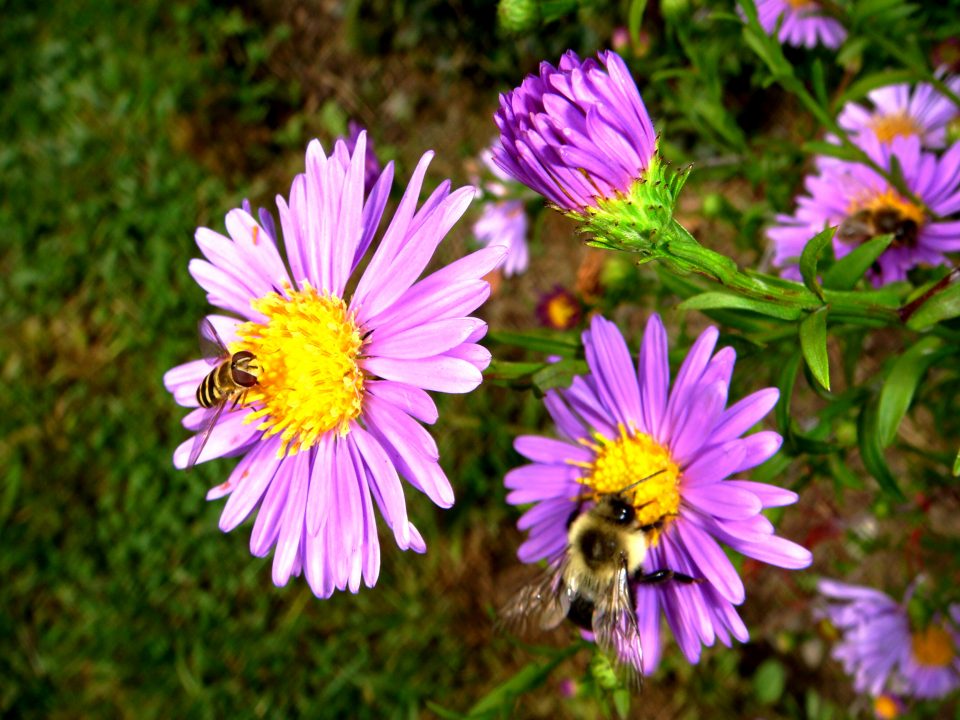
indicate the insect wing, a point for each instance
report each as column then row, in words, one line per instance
column 540, row 605
column 203, row 434
column 212, row 347
column 615, row 625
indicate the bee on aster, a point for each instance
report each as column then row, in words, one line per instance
column 657, row 463
column 503, row 221
column 883, row 652
column 863, row 204
column 804, row 23
column 333, row 421
column 903, row 111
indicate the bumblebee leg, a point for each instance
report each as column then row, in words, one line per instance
column 659, row 576
column 656, row 524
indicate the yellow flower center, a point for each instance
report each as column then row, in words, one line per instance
column 933, row 647
column 799, row 4
column 310, row 382
column 887, row 127
column 889, row 201
column 622, row 461
column 886, row 707
column 560, row 310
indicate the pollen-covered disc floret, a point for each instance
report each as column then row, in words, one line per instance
column 310, row 382
column 333, row 422
column 620, row 424
column 841, row 193
column 621, row 461
column 880, row 649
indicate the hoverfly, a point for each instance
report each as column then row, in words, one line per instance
column 228, row 382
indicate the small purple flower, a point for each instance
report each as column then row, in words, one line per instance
column 332, row 423
column 622, row 422
column 559, row 309
column 804, row 23
column 864, row 204
column 371, row 165
column 902, row 111
column 577, row 133
column 503, row 222
column 881, row 651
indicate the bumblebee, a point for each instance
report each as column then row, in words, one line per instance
column 590, row 582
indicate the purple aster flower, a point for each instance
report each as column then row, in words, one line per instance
column 503, row 222
column 331, row 425
column 577, row 133
column 902, row 111
column 881, row 651
column 623, row 422
column 559, row 309
column 371, row 166
column 864, row 204
column 804, row 23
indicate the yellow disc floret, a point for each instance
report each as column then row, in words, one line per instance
column 888, row 200
column 310, row 382
column 622, row 461
column 561, row 309
column 887, row 127
column 933, row 647
column 886, row 707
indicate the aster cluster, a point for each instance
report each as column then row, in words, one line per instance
column 899, row 136
column 350, row 334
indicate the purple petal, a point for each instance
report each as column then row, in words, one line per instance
column 441, row 373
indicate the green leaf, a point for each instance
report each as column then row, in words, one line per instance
column 509, row 371
column 829, row 149
column 873, row 81
column 811, row 256
column 621, row 701
column 956, row 465
column 726, row 301
column 769, row 682
column 820, row 83
column 635, row 19
column 559, row 374
column 851, row 267
column 502, row 697
column 871, row 453
column 813, row 344
column 545, row 341
column 900, row 385
column 942, row 306
column 785, row 383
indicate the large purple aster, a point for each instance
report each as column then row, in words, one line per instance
column 332, row 424
column 576, row 133
column 881, row 651
column 623, row 422
column 804, row 23
column 852, row 192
